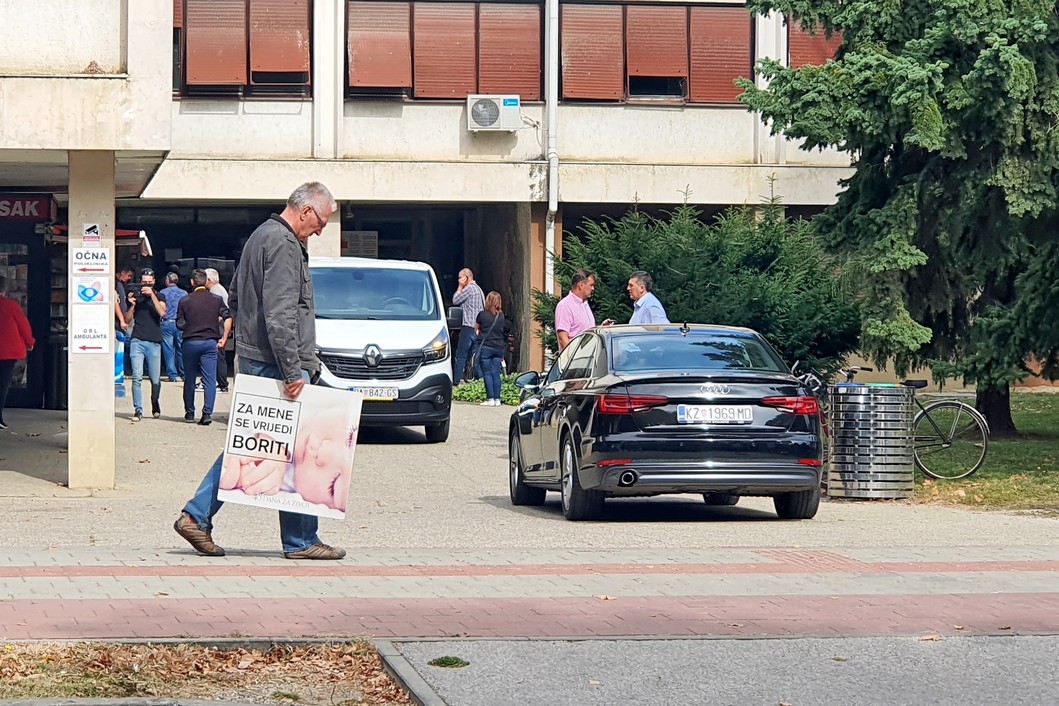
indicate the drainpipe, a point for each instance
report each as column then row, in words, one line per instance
column 551, row 88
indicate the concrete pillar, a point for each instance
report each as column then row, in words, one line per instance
column 91, row 374
column 770, row 42
column 532, row 353
column 329, row 58
column 329, row 242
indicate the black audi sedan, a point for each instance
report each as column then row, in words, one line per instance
column 643, row 410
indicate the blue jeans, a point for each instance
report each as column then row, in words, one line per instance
column 463, row 349
column 296, row 531
column 491, row 358
column 200, row 356
column 151, row 353
column 172, row 342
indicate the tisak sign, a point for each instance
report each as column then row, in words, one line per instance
column 27, row 207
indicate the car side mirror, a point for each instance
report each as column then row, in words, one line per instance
column 455, row 317
column 528, row 381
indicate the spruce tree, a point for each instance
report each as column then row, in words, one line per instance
column 950, row 112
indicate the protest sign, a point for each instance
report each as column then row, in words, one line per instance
column 292, row 455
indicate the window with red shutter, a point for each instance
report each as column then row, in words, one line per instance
column 279, row 42
column 380, row 45
column 720, row 52
column 444, row 50
column 805, row 48
column 215, row 41
column 592, row 51
column 178, row 13
column 656, row 50
column 509, row 49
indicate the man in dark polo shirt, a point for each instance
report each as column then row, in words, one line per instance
column 199, row 316
column 147, row 310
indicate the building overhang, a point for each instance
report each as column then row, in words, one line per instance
column 182, row 180
column 48, row 171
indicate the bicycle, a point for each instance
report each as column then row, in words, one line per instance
column 951, row 435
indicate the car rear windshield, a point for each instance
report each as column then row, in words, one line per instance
column 694, row 352
column 374, row 293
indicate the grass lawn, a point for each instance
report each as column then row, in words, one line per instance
column 1019, row 474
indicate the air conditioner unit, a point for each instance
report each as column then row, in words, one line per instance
column 494, row 113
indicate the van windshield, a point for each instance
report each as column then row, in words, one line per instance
column 374, row 293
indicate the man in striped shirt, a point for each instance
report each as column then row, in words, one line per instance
column 469, row 296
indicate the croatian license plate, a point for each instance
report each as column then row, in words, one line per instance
column 377, row 393
column 714, row 414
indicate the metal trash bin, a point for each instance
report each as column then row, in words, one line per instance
column 871, row 450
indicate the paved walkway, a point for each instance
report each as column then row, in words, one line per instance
column 753, row 592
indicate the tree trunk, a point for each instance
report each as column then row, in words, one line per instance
column 995, row 405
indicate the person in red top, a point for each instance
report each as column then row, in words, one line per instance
column 16, row 339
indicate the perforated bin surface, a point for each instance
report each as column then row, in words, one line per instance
column 871, row 450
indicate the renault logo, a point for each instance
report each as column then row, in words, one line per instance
column 715, row 389
column 373, row 355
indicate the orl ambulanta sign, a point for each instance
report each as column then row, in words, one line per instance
column 26, row 207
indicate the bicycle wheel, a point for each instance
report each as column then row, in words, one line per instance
column 951, row 440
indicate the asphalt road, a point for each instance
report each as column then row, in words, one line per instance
column 408, row 494
column 797, row 672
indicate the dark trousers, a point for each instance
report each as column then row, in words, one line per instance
column 463, row 350
column 7, row 372
column 222, row 369
column 200, row 357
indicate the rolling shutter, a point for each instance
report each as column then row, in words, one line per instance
column 444, row 50
column 805, row 48
column 279, row 36
column 216, row 42
column 720, row 52
column 178, row 13
column 656, row 41
column 509, row 49
column 380, row 44
column 592, row 51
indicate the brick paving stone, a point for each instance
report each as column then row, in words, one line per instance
column 530, row 617
column 151, row 594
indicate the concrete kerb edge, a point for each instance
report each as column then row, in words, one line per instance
column 402, row 671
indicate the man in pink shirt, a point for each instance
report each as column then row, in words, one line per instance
column 573, row 314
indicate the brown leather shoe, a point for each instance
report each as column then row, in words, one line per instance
column 317, row 551
column 197, row 537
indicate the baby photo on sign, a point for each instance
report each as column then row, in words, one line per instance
column 293, row 455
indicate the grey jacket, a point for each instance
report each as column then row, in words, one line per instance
column 271, row 298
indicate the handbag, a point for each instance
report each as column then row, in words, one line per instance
column 476, row 351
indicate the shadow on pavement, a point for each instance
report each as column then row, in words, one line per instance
column 35, row 444
column 639, row 510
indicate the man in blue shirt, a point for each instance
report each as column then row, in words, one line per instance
column 172, row 337
column 646, row 309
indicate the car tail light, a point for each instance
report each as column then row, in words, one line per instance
column 798, row 405
column 614, row 462
column 810, row 462
column 624, row 404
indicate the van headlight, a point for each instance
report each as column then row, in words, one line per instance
column 438, row 348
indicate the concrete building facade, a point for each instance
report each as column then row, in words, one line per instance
column 192, row 120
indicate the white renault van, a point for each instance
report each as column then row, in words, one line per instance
column 381, row 328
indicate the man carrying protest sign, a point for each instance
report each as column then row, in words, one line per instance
column 271, row 299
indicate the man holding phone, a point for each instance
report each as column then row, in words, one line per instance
column 145, row 346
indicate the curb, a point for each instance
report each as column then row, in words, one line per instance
column 406, row 676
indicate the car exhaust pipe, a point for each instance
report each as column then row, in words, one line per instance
column 626, row 479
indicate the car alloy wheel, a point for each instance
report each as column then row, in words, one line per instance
column 513, row 454
column 521, row 492
column 567, row 470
